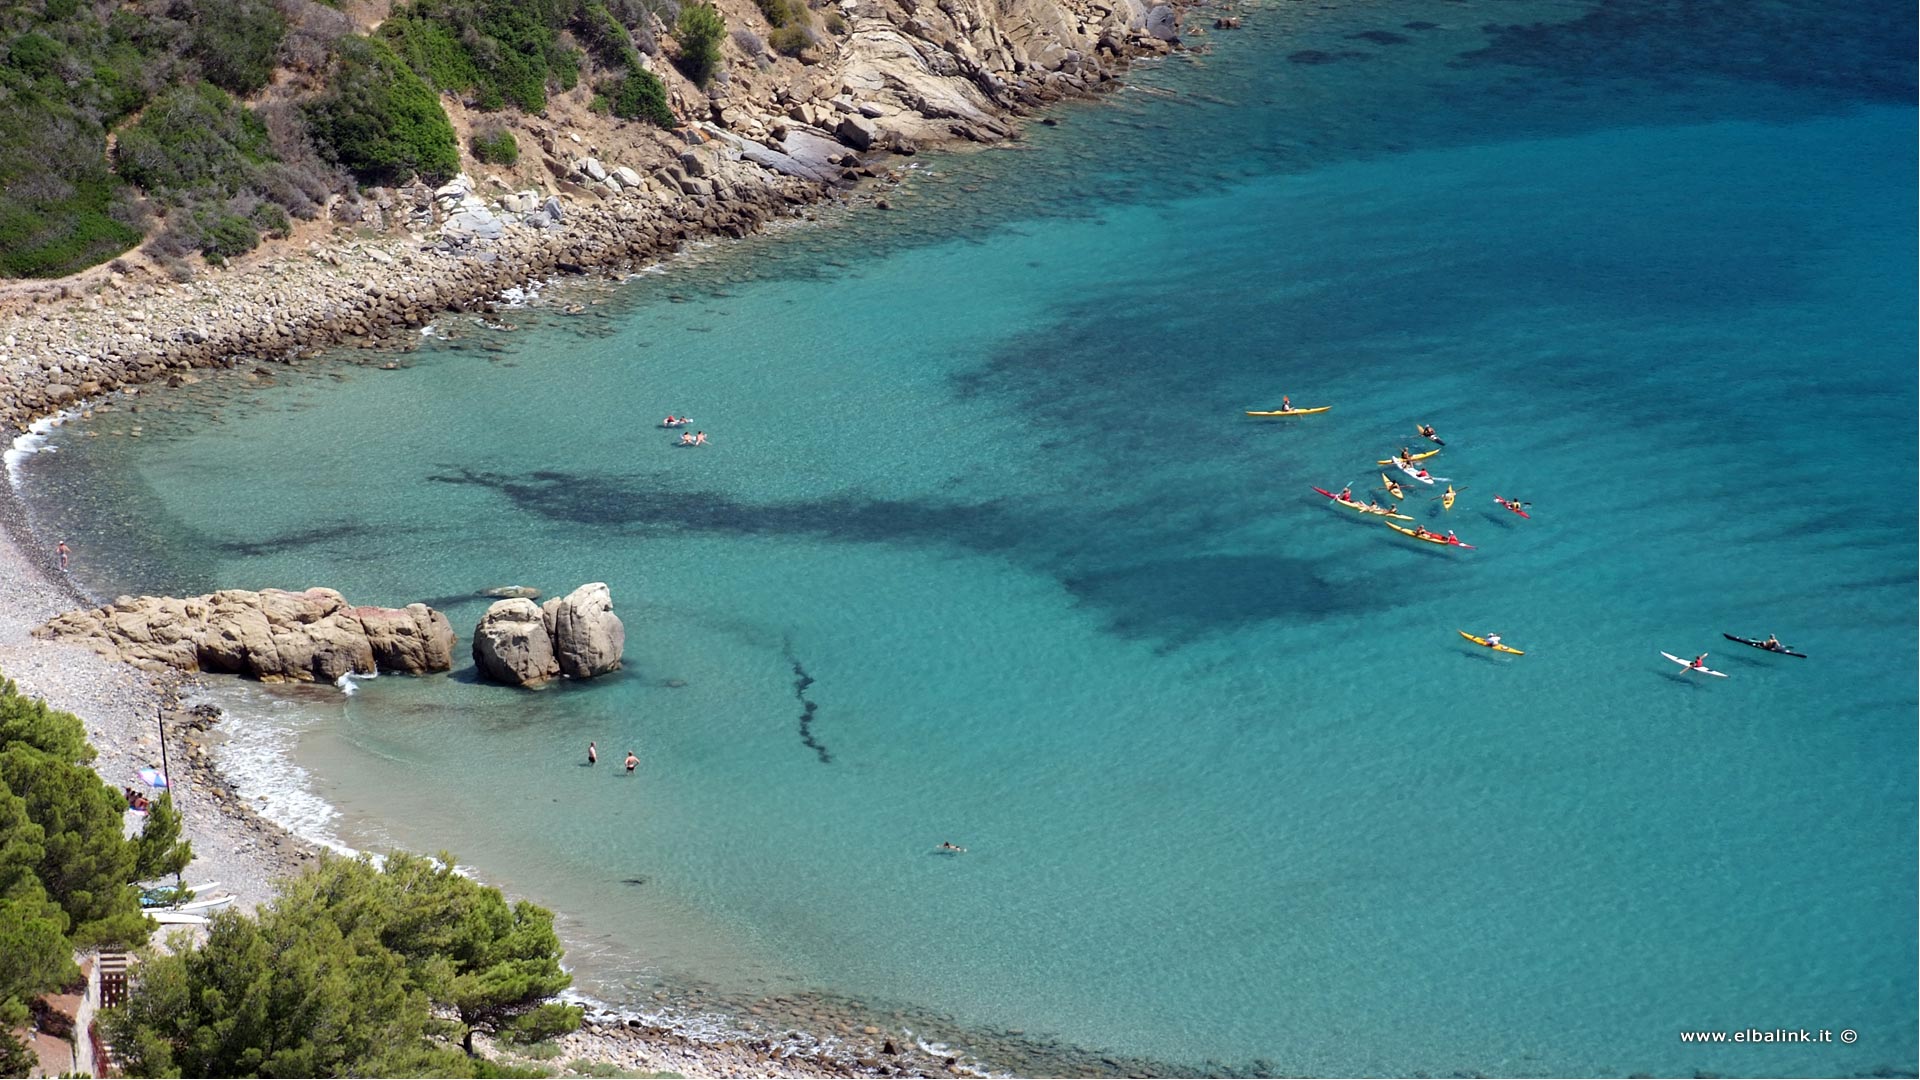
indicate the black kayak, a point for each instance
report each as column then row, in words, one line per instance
column 1762, row 646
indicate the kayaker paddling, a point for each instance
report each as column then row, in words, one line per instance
column 1286, row 403
column 1699, row 662
column 1493, row 639
column 1772, row 643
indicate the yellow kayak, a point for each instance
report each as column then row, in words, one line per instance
column 1414, row 457
column 1380, row 511
column 1491, row 645
column 1446, row 501
column 1393, row 489
column 1429, row 537
column 1288, row 412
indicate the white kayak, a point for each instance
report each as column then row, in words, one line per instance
column 178, row 918
column 1688, row 664
column 1419, row 474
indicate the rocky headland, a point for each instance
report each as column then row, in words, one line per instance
column 273, row 635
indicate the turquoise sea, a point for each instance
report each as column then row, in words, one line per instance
column 984, row 550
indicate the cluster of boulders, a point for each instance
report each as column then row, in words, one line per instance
column 576, row 635
column 280, row 636
column 466, row 216
column 273, row 635
column 589, row 170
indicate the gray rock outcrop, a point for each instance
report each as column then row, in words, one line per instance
column 588, row 638
column 273, row 635
column 511, row 645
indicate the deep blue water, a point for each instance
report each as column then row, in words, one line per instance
column 984, row 550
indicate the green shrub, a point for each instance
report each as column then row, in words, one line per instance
column 638, row 95
column 781, row 13
column 193, row 140
column 34, row 55
column 563, row 64
column 223, row 236
column 836, row 23
column 380, row 121
column 699, row 30
column 500, row 51
column 271, row 220
column 496, row 147
column 791, row 40
column 604, row 36
column 57, row 196
column 234, row 41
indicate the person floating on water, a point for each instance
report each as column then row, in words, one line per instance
column 951, row 847
column 593, row 754
column 686, row 438
column 700, row 438
column 632, row 763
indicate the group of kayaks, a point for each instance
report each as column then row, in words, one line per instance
column 1408, row 463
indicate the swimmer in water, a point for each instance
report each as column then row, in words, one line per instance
column 950, row 846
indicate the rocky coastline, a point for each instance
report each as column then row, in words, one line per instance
column 388, row 261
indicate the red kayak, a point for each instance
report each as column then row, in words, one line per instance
column 1513, row 506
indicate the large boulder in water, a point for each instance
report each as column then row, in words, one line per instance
column 511, row 644
column 588, row 638
column 413, row 639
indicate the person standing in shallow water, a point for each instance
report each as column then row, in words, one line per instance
column 632, row 763
column 64, row 552
column 593, row 754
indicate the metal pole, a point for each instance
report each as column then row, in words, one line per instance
column 160, row 721
column 166, row 777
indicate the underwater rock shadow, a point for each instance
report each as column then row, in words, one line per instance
column 1183, row 599
column 317, row 536
column 1093, row 553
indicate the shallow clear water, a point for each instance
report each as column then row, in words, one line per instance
column 984, row 550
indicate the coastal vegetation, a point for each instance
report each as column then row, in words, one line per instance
column 202, row 125
column 699, row 31
column 66, row 868
column 496, row 146
column 354, row 970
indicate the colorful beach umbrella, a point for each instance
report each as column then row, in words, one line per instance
column 152, row 778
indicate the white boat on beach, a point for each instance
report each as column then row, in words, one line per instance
column 178, row 918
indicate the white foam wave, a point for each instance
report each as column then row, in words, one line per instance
column 255, row 755
column 30, row 442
